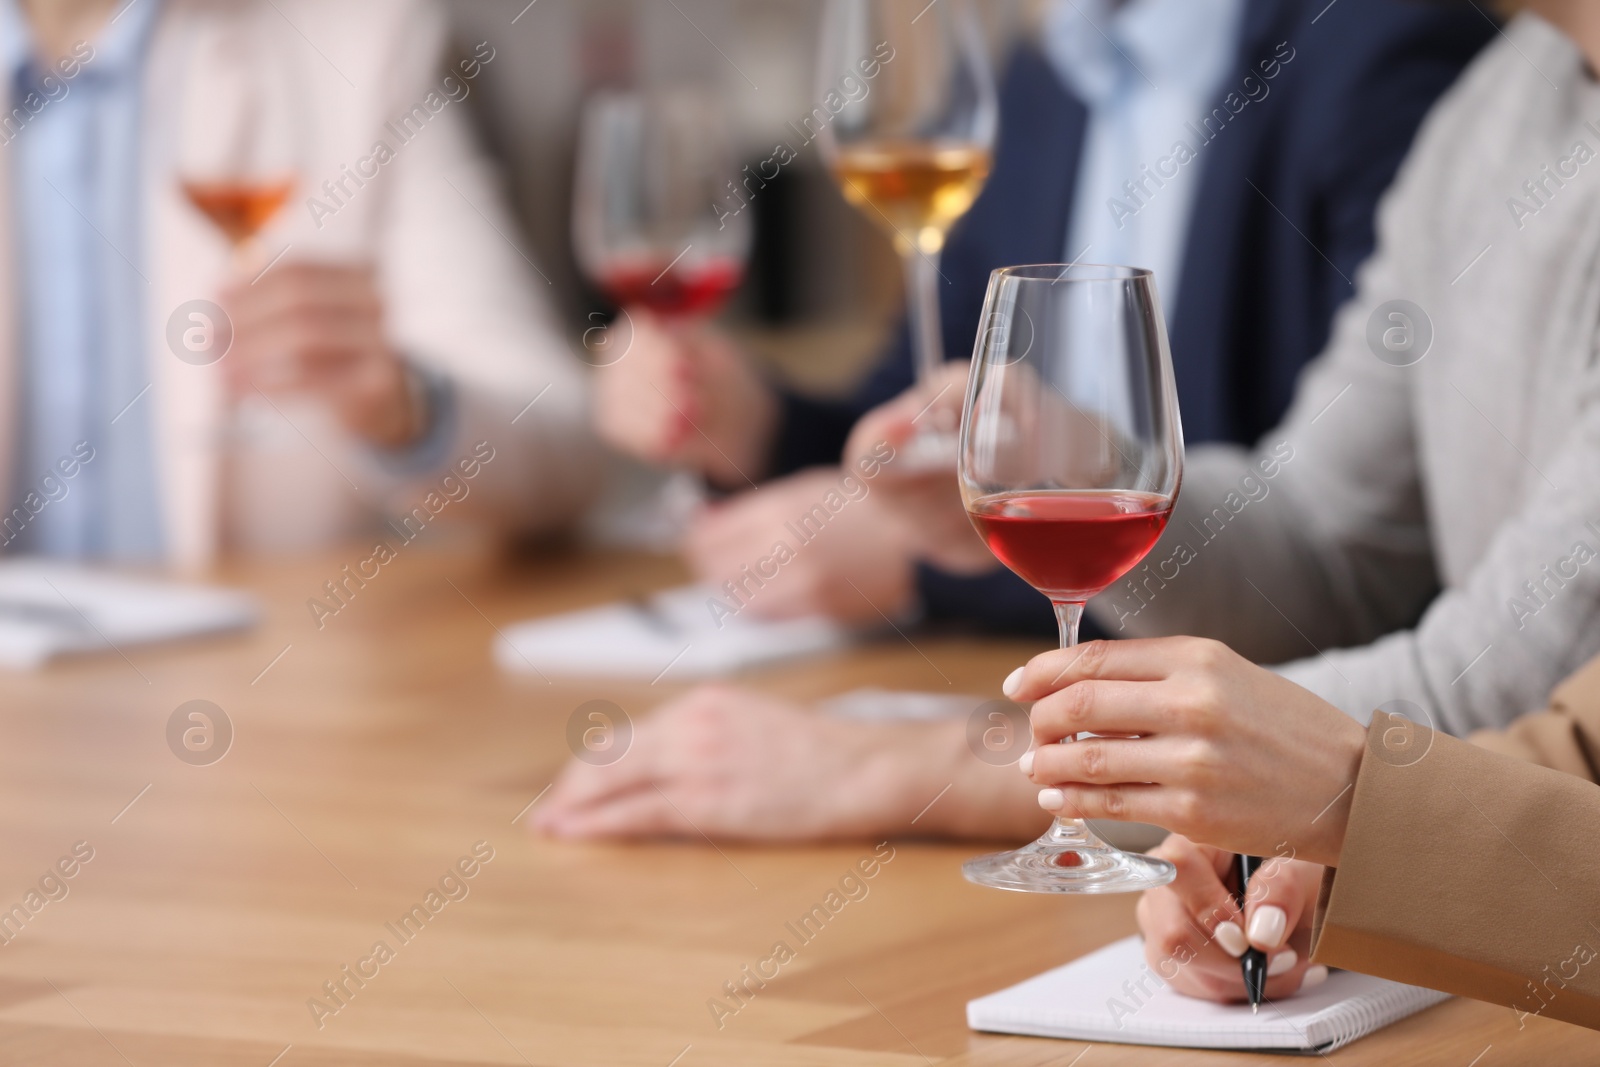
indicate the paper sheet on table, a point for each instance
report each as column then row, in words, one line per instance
column 1114, row 995
column 671, row 634
column 50, row 609
column 888, row 705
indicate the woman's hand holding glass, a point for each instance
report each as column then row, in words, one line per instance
column 1221, row 751
column 678, row 393
column 318, row 329
column 1211, row 746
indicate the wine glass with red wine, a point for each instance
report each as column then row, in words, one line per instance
column 661, row 221
column 1071, row 454
column 659, row 217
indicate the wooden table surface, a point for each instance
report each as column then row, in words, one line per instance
column 371, row 756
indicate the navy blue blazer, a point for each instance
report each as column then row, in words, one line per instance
column 1282, row 219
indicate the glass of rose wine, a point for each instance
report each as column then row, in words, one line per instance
column 910, row 145
column 242, row 125
column 660, row 222
column 658, row 219
column 1071, row 454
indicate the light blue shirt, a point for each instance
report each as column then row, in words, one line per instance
column 83, row 289
column 1143, row 68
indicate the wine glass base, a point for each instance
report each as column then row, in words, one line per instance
column 1043, row 867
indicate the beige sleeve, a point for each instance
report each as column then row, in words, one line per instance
column 1471, row 872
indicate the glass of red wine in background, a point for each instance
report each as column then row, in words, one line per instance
column 1071, row 453
column 241, row 128
column 658, row 220
column 656, row 214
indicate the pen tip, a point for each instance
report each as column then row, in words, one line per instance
column 1254, row 1008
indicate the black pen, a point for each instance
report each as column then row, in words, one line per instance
column 1254, row 962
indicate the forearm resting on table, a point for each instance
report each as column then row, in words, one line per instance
column 982, row 801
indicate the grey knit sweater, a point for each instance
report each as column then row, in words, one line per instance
column 1424, row 526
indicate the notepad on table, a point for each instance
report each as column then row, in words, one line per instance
column 1113, row 995
column 50, row 609
column 678, row 633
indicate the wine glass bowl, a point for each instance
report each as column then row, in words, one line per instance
column 242, row 130
column 659, row 222
column 239, row 207
column 1070, row 544
column 914, row 191
column 1070, row 460
column 910, row 147
column 652, row 221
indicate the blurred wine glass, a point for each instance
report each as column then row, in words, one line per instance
column 658, row 219
column 911, row 145
column 655, row 220
column 241, row 137
column 242, row 128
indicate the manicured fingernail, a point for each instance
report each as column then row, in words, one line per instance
column 1267, row 926
column 1283, row 963
column 1315, row 976
column 1232, row 939
column 1012, row 683
column 1025, row 764
column 1052, row 799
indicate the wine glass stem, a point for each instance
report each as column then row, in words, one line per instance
column 922, row 308
column 1069, row 613
column 1067, row 831
column 244, row 258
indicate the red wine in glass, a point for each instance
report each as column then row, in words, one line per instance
column 683, row 289
column 651, row 223
column 1070, row 544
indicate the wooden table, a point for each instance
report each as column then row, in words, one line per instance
column 370, row 756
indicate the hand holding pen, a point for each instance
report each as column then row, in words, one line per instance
column 1196, row 931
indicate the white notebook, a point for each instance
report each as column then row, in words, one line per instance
column 872, row 704
column 1113, row 995
column 675, row 634
column 50, row 609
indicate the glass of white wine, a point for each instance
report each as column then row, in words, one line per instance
column 243, row 135
column 243, row 129
column 911, row 146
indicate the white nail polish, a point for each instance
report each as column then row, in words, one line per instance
column 1012, row 683
column 1025, row 764
column 1315, row 976
column 1283, row 963
column 1052, row 799
column 1268, row 926
column 1231, row 938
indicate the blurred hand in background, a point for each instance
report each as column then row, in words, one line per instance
column 314, row 328
column 921, row 506
column 684, row 396
column 730, row 763
column 855, row 568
